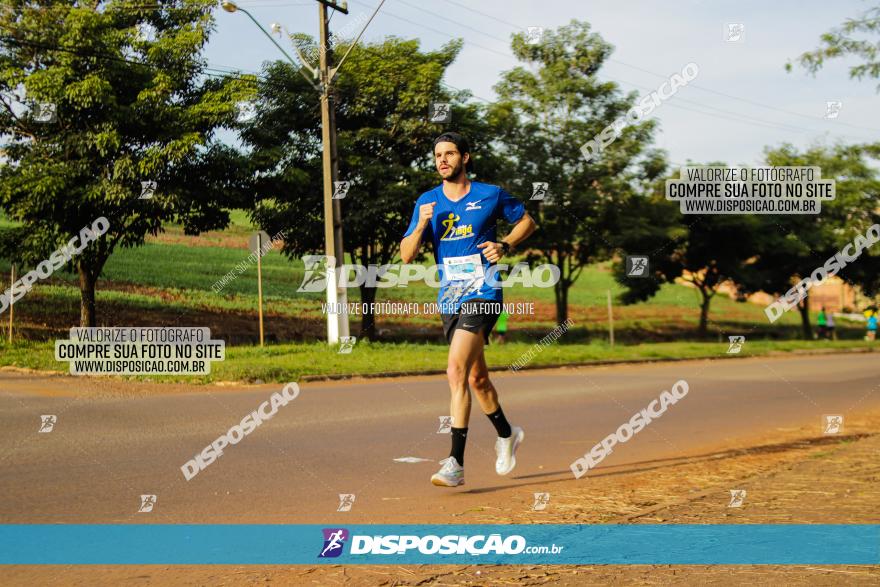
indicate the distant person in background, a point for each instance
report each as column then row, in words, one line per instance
column 831, row 334
column 872, row 326
column 501, row 327
column 822, row 322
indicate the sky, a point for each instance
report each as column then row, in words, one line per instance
column 741, row 101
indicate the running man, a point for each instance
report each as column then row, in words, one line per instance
column 460, row 217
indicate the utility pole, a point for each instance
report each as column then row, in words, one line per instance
column 11, row 297
column 260, row 282
column 337, row 323
column 610, row 320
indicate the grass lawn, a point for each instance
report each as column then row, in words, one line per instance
column 178, row 268
column 166, row 293
column 290, row 362
column 169, row 280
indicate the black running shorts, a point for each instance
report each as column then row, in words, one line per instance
column 473, row 316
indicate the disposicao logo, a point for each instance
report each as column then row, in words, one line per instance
column 334, row 540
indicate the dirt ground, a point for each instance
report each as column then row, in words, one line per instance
column 791, row 476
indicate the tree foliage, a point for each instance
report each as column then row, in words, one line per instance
column 132, row 103
column 857, row 37
column 703, row 250
column 544, row 113
column 791, row 247
column 382, row 96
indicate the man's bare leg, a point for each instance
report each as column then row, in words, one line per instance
column 464, row 351
column 509, row 437
column 481, row 385
column 466, row 370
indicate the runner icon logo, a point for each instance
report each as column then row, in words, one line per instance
column 47, row 423
column 440, row 112
column 636, row 266
column 334, row 540
column 539, row 190
column 146, row 33
column 340, row 189
column 737, row 497
column 148, row 190
column 315, row 276
column 832, row 109
column 147, row 503
column 44, row 112
column 534, row 35
column 736, row 344
column 450, row 296
column 346, row 343
column 833, row 424
column 445, row 425
column 346, row 500
column 245, row 111
column 541, row 501
column 735, row 32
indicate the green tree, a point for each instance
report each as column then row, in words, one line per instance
column 857, row 37
column 852, row 38
column 704, row 250
column 133, row 103
column 382, row 94
column 791, row 247
column 543, row 116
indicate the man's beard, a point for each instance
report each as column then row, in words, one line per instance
column 456, row 173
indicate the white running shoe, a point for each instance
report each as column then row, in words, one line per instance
column 451, row 474
column 505, row 448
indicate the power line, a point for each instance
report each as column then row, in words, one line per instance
column 740, row 117
column 451, row 87
column 748, row 101
column 487, row 15
column 726, row 114
column 654, row 73
column 457, row 23
column 439, row 32
column 721, row 116
column 722, row 113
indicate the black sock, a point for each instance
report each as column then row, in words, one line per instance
column 502, row 426
column 459, row 437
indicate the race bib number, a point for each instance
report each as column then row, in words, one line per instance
column 467, row 268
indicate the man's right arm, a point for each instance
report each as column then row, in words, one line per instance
column 409, row 246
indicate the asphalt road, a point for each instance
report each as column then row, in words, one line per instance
column 116, row 440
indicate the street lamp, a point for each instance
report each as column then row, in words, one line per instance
column 230, row 6
column 278, row 28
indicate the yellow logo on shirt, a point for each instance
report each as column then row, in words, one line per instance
column 454, row 232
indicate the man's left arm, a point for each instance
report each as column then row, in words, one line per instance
column 523, row 228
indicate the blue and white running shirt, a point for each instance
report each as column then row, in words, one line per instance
column 456, row 229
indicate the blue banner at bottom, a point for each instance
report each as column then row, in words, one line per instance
column 671, row 544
